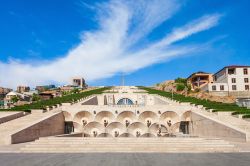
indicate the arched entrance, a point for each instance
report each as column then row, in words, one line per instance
column 125, row 101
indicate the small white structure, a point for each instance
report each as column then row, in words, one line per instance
column 231, row 80
column 10, row 95
column 79, row 82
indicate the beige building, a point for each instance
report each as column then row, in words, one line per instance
column 231, row 80
column 67, row 88
column 3, row 92
column 8, row 98
column 21, row 89
column 125, row 119
column 199, row 79
column 127, row 112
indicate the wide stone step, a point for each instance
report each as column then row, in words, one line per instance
column 132, row 146
column 125, row 139
column 128, row 149
column 122, row 141
column 80, row 144
column 147, row 142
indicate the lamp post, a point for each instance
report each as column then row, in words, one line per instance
column 172, row 94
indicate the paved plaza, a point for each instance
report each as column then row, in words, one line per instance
column 127, row 159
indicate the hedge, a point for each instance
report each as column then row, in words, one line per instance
column 216, row 106
column 57, row 100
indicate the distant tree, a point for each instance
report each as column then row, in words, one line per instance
column 64, row 93
column 35, row 97
column 181, row 80
column 14, row 99
column 75, row 90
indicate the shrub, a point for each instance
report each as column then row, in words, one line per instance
column 180, row 87
column 42, row 104
column 216, row 106
column 14, row 99
column 181, row 80
column 35, row 97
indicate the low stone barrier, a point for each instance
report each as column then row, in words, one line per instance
column 35, row 111
column 204, row 126
column 48, row 126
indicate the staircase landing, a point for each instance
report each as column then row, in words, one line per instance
column 127, row 145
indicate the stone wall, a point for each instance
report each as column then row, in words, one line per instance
column 205, row 127
column 92, row 101
column 53, row 125
column 10, row 116
column 238, row 94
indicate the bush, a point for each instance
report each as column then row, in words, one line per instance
column 246, row 116
column 216, row 106
column 57, row 100
column 181, row 80
column 197, row 90
column 180, row 87
column 35, row 97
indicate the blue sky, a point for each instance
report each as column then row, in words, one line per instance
column 46, row 41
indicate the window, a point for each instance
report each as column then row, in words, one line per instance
column 231, row 71
column 233, row 80
column 215, row 78
column 245, row 71
column 234, row 87
column 246, row 80
column 125, row 101
column 213, row 87
column 246, row 87
column 222, row 87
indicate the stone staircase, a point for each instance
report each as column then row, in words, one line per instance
column 13, row 126
column 144, row 145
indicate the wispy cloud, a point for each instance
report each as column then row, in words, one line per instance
column 108, row 50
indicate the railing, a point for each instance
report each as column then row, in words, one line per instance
column 130, row 106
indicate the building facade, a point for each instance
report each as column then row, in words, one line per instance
column 3, row 92
column 45, row 87
column 21, row 89
column 78, row 82
column 127, row 112
column 8, row 98
column 231, row 80
column 199, row 79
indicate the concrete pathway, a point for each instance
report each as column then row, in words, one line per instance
column 126, row 159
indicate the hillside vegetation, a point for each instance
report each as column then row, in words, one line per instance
column 180, row 86
column 216, row 106
column 57, row 100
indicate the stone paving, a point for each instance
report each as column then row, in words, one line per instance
column 126, row 159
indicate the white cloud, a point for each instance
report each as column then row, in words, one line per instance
column 106, row 51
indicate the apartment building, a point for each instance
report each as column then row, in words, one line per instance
column 3, row 92
column 79, row 82
column 231, row 80
column 21, row 89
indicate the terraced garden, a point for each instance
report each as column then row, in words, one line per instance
column 57, row 100
column 216, row 106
